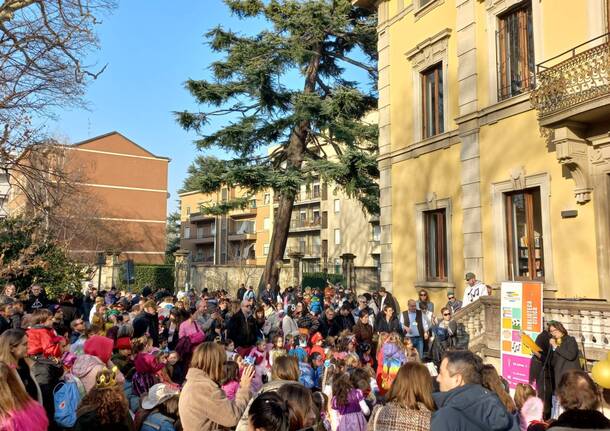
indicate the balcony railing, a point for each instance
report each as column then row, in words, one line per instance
column 203, row 259
column 304, row 224
column 588, row 321
column 573, row 77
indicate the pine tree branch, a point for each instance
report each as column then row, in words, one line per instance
column 371, row 70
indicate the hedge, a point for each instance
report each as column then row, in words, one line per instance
column 156, row 276
column 318, row 279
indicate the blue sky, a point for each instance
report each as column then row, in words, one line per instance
column 151, row 47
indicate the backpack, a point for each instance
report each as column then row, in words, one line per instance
column 66, row 397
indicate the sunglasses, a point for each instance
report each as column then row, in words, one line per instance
column 446, row 314
column 423, row 294
column 451, row 297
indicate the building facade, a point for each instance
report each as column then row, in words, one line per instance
column 114, row 199
column 324, row 225
column 494, row 148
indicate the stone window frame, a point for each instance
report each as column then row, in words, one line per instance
column 520, row 181
column 423, row 9
column 432, row 203
column 494, row 9
column 424, row 55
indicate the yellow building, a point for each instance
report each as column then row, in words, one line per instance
column 494, row 144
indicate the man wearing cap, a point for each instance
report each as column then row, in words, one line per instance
column 474, row 289
column 453, row 303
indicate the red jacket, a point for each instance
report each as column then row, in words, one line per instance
column 43, row 341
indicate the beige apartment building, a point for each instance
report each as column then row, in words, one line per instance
column 325, row 224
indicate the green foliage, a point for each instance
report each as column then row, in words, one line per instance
column 318, row 40
column 319, row 279
column 28, row 256
column 172, row 237
column 156, row 276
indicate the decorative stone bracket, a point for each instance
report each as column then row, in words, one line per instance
column 573, row 152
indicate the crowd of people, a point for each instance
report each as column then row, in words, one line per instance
column 315, row 359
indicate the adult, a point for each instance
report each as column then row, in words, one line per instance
column 250, row 295
column 453, row 303
column 424, row 301
column 363, row 331
column 269, row 412
column 78, row 329
column 302, row 412
column 565, row 353
column 345, row 319
column 410, row 404
column 445, row 336
column 387, row 321
column 18, row 411
column 10, row 290
column 474, row 289
column 241, row 291
column 69, row 309
column 415, row 326
column 88, row 300
column 289, row 323
column 6, row 308
column 273, row 321
column 463, row 404
column 203, row 404
column 328, row 324
column 147, row 322
column 363, row 305
column 579, row 397
column 14, row 353
column 242, row 328
column 268, row 295
column 386, row 297
column 490, row 379
column 285, row 370
column 541, row 373
column 37, row 299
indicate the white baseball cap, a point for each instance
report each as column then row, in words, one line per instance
column 158, row 394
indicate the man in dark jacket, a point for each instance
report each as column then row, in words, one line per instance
column 540, row 372
column 463, row 404
column 345, row 319
column 37, row 299
column 242, row 329
column 328, row 324
column 386, row 298
column 241, row 291
column 147, row 322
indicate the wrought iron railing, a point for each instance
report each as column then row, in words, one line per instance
column 573, row 77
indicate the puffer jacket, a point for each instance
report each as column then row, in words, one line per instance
column 43, row 341
column 204, row 406
column 96, row 357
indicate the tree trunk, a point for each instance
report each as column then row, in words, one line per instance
column 295, row 154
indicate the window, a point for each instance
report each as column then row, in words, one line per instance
column 316, row 217
column 337, row 237
column 524, row 234
column 265, row 249
column 376, row 232
column 200, row 232
column 337, row 206
column 224, row 194
column 315, row 190
column 432, row 101
column 188, row 210
column 267, row 199
column 267, row 223
column 436, row 245
column 515, row 52
column 187, row 232
column 252, row 203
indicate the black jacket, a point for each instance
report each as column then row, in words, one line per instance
column 90, row 421
column 345, row 322
column 564, row 358
column 471, row 408
column 580, row 419
column 382, row 325
column 329, row 328
column 36, row 302
column 71, row 312
column 241, row 330
column 146, row 323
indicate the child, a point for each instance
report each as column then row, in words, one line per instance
column 288, row 342
column 316, row 344
column 321, row 401
column 364, row 351
column 230, row 381
column 146, row 365
column 277, row 350
column 300, row 352
column 361, row 379
column 174, row 368
column 529, row 405
column 230, row 350
column 122, row 357
column 261, row 365
column 393, row 356
column 410, row 351
column 349, row 404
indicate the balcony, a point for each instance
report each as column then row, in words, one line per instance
column 203, row 259
column 575, row 85
column 586, row 320
column 305, row 225
column 375, row 247
column 199, row 217
column 307, row 250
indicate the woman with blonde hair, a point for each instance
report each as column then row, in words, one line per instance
column 18, row 411
column 13, row 352
column 410, row 402
column 203, row 404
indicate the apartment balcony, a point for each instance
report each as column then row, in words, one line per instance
column 375, row 246
column 305, row 225
column 313, row 251
column 238, row 261
column 242, row 236
column 203, row 239
column 586, row 320
column 575, row 85
column 199, row 217
column 208, row 260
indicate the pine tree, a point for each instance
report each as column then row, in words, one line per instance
column 319, row 41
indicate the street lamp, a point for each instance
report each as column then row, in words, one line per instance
column 101, row 261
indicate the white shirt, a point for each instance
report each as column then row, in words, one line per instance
column 472, row 293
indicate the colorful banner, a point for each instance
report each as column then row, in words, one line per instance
column 521, row 312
